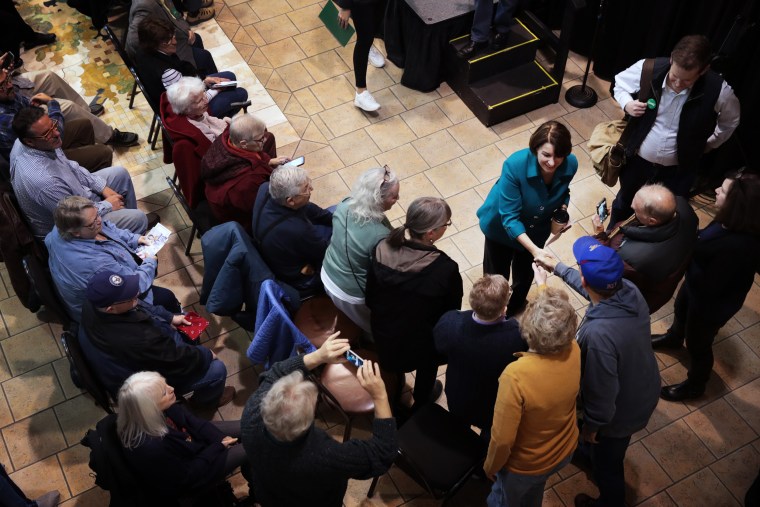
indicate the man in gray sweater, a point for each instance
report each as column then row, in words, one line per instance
column 620, row 380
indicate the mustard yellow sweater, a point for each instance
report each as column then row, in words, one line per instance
column 534, row 423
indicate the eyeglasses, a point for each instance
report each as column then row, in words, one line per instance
column 386, row 175
column 49, row 132
column 308, row 191
column 94, row 224
column 260, row 139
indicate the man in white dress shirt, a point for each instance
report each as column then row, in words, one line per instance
column 692, row 111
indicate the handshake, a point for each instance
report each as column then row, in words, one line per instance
column 543, row 265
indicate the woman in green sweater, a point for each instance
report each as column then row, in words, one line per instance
column 359, row 223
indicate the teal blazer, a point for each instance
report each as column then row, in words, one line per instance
column 520, row 202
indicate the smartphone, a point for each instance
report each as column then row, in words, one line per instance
column 9, row 59
column 354, row 358
column 601, row 209
column 297, row 162
column 225, row 84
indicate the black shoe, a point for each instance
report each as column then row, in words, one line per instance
column 39, row 39
column 153, row 219
column 123, row 138
column 97, row 109
column 500, row 40
column 471, row 48
column 436, row 392
column 584, row 500
column 666, row 341
column 683, row 391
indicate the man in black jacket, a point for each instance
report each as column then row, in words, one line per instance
column 692, row 110
column 138, row 336
column 294, row 463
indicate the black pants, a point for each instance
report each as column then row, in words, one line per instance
column 700, row 335
column 637, row 173
column 166, row 298
column 366, row 16
column 607, row 461
column 15, row 29
column 236, row 456
column 500, row 259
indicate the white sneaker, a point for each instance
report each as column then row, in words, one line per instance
column 376, row 57
column 366, row 101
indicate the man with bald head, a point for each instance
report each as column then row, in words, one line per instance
column 236, row 165
column 655, row 243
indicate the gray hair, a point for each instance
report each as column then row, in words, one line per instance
column 658, row 202
column 246, row 127
column 288, row 408
column 423, row 215
column 286, row 181
column 139, row 415
column 181, row 93
column 68, row 215
column 368, row 194
column 549, row 322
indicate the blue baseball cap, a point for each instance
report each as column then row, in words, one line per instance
column 601, row 266
column 106, row 288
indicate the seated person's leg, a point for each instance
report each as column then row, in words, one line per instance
column 73, row 111
column 130, row 219
column 118, row 179
column 208, row 389
column 204, row 62
column 220, row 106
column 166, row 298
column 52, row 84
column 79, row 146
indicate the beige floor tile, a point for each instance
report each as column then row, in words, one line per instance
column 74, row 462
column 63, row 373
column 16, row 317
column 377, row 79
column 720, row 428
column 470, row 242
column 463, row 207
column 33, row 391
column 266, row 9
column 575, row 484
column 294, row 76
column 514, row 143
column 412, row 98
column 750, row 312
column 415, row 186
column 403, row 160
column 454, row 108
column 333, row 92
column 485, row 163
column 329, row 190
column 230, row 348
column 5, row 371
column 308, row 101
column 306, row 18
column 389, row 105
column 472, row 135
column 746, row 401
column 316, row 41
column 438, row 148
column 546, row 113
column 244, row 14
column 322, row 161
column 351, row 173
column 390, row 133
column 451, row 178
column 6, row 417
column 299, row 4
column 325, row 65
column 343, row 119
column 354, row 147
column 282, row 52
column 611, row 108
column 735, row 363
column 76, row 416
column 702, row 488
column 245, row 382
column 41, row 477
column 179, row 282
column 678, row 450
column 30, row 349
column 643, row 476
column 94, row 497
column 584, row 120
column 33, row 438
column 659, row 500
column 738, row 470
column 426, row 119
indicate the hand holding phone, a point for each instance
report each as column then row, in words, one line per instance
column 296, row 162
column 601, row 209
column 225, row 84
column 354, row 358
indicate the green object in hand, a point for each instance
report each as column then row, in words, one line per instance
column 651, row 104
column 329, row 17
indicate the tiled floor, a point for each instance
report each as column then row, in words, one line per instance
column 702, row 453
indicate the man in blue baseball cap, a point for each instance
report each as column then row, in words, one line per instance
column 620, row 382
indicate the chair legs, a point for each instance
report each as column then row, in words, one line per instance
column 132, row 95
column 193, row 232
column 154, row 131
column 372, row 487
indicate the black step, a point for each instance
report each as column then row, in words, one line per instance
column 510, row 93
column 520, row 49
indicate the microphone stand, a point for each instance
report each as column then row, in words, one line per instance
column 583, row 96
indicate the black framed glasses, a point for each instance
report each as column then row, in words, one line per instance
column 49, row 132
column 94, row 224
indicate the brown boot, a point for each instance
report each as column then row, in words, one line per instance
column 202, row 15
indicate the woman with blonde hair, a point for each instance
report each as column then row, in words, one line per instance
column 410, row 285
column 172, row 450
column 534, row 431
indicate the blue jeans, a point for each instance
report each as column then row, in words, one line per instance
column 607, row 459
column 518, row 490
column 481, row 23
column 220, row 106
column 208, row 389
column 129, row 217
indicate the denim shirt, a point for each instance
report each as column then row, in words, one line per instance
column 74, row 262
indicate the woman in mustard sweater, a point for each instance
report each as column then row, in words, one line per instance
column 534, row 430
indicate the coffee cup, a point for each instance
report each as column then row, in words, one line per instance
column 560, row 218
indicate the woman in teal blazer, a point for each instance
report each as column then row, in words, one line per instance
column 516, row 216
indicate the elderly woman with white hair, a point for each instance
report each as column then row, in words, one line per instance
column 170, row 449
column 189, row 99
column 238, row 162
column 293, row 462
column 359, row 223
column 290, row 232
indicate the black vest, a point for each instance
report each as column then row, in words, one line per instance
column 151, row 66
column 697, row 121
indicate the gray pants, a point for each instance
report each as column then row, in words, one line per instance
column 130, row 218
column 73, row 106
